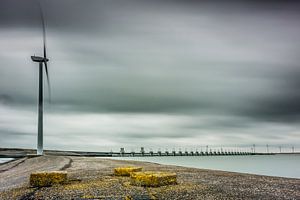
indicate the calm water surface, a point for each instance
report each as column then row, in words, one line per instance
column 271, row 165
column 3, row 160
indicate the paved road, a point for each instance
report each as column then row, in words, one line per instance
column 16, row 173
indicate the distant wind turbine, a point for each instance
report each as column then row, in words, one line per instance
column 41, row 61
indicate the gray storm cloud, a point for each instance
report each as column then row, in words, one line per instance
column 169, row 73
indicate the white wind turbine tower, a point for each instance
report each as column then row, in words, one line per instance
column 42, row 61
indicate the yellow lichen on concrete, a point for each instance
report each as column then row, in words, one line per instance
column 126, row 171
column 99, row 183
column 153, row 179
column 47, row 178
column 128, row 198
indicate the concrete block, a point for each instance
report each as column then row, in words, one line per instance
column 47, row 178
column 126, row 171
column 153, row 179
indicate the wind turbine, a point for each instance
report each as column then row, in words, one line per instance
column 42, row 61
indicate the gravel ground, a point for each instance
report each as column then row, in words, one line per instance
column 92, row 178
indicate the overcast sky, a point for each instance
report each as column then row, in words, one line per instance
column 159, row 74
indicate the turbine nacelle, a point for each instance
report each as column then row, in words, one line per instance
column 39, row 59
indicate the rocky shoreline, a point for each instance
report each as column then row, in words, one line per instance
column 92, row 178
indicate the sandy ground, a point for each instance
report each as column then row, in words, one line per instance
column 92, row 178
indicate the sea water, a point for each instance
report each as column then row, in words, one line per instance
column 270, row 165
column 3, row 160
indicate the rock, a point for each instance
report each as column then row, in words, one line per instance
column 153, row 179
column 47, row 178
column 126, row 171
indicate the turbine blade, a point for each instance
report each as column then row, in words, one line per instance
column 48, row 81
column 44, row 29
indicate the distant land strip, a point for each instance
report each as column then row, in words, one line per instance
column 20, row 153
